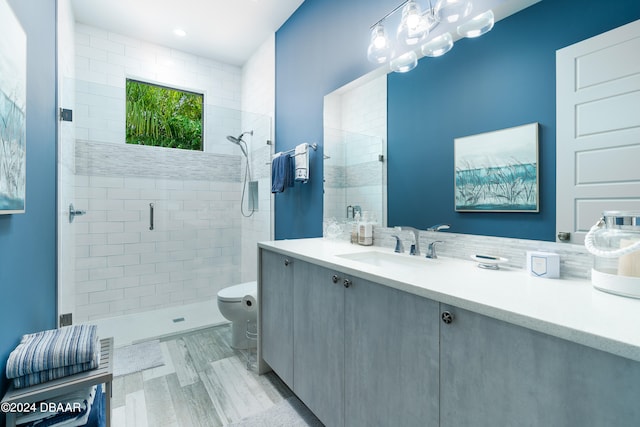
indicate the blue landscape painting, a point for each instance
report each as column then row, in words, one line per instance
column 498, row 171
column 13, row 74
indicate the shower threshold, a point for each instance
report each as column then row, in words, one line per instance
column 132, row 328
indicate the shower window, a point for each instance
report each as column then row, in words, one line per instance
column 163, row 117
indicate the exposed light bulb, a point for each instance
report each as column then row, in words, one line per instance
column 380, row 41
column 179, row 32
column 380, row 47
column 413, row 28
column 413, row 20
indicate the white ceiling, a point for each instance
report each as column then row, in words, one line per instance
column 229, row 31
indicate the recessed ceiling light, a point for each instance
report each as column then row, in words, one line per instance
column 179, row 32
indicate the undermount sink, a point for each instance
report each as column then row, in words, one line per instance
column 386, row 260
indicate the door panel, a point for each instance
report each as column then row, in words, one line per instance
column 598, row 128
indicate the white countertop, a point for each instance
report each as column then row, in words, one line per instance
column 566, row 308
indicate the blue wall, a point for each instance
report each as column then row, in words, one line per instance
column 505, row 78
column 320, row 48
column 28, row 241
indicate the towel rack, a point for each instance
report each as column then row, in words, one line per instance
column 313, row 146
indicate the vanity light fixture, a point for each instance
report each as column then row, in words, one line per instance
column 416, row 25
column 478, row 25
column 379, row 50
column 413, row 27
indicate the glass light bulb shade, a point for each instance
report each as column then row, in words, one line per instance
column 411, row 14
column 404, row 63
column 414, row 27
column 452, row 10
column 438, row 46
column 430, row 19
column 379, row 50
column 478, row 25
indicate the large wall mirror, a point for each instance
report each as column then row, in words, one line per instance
column 496, row 82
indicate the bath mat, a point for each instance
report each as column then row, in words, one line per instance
column 137, row 357
column 290, row 412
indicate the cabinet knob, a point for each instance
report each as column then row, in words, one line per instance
column 346, row 283
column 335, row 278
column 286, row 262
column 447, row 317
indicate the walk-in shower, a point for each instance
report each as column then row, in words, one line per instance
column 253, row 185
column 113, row 267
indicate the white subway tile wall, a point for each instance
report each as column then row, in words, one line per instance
column 123, row 267
column 200, row 243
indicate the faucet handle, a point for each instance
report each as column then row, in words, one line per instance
column 399, row 246
column 431, row 251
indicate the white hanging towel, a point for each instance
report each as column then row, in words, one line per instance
column 302, row 162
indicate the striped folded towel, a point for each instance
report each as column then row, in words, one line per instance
column 53, row 349
column 52, row 374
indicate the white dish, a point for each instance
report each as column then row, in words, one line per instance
column 488, row 261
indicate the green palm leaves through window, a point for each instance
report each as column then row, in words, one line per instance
column 163, row 117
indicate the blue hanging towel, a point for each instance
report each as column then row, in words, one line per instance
column 281, row 173
column 290, row 169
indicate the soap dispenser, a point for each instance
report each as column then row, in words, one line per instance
column 365, row 231
column 354, row 227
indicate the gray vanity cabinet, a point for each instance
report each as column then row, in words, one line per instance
column 391, row 357
column 497, row 374
column 276, row 313
column 364, row 354
column 318, row 338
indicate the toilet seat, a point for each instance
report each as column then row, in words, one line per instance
column 235, row 293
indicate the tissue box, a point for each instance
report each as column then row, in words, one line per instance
column 543, row 264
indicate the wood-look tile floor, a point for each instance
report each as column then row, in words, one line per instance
column 204, row 382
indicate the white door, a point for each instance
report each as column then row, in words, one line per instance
column 598, row 129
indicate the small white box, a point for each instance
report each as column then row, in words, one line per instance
column 543, row 264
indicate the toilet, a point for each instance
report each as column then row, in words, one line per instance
column 231, row 307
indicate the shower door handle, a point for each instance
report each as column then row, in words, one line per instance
column 150, row 216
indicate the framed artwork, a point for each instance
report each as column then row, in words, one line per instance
column 497, row 171
column 13, row 84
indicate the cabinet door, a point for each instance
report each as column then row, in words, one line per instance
column 497, row 374
column 391, row 357
column 276, row 313
column 319, row 342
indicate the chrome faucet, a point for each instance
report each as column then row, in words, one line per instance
column 439, row 227
column 415, row 248
column 399, row 246
column 431, row 251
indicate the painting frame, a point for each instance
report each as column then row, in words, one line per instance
column 13, row 139
column 498, row 171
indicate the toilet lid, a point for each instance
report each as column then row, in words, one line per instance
column 235, row 293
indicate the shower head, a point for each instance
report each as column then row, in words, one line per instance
column 237, row 140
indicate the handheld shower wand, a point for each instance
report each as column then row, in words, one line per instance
column 238, row 140
column 247, row 173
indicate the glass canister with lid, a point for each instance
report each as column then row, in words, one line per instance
column 615, row 243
